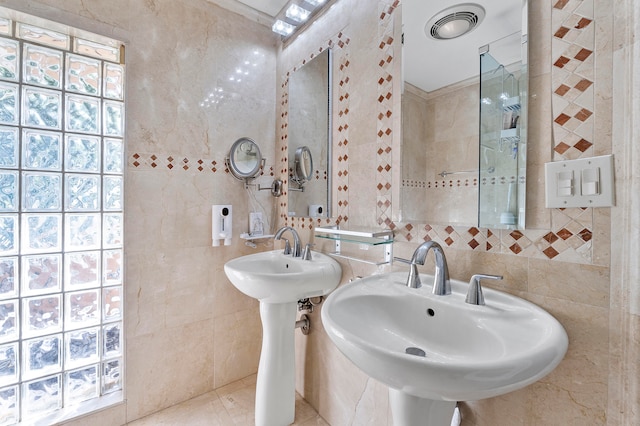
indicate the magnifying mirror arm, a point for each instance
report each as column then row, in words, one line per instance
column 275, row 188
column 297, row 181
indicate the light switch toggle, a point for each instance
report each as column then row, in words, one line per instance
column 591, row 181
column 565, row 183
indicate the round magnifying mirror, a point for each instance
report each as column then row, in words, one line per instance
column 244, row 159
column 304, row 164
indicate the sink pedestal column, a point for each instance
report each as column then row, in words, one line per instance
column 276, row 387
column 409, row 410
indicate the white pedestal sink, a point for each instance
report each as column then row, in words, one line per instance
column 278, row 281
column 433, row 351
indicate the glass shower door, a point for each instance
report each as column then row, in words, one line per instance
column 502, row 157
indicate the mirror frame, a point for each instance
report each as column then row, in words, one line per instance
column 341, row 88
column 232, row 163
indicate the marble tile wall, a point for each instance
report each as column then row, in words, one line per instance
column 188, row 330
column 561, row 262
column 437, row 129
column 624, row 318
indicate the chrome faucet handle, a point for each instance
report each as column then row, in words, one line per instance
column 287, row 247
column 474, row 294
column 306, row 253
column 413, row 280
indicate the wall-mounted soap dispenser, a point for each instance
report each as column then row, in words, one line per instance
column 221, row 226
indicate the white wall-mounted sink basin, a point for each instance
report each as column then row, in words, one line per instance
column 273, row 277
column 440, row 348
column 278, row 281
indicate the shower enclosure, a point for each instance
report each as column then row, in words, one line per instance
column 503, row 103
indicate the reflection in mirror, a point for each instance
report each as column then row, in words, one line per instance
column 440, row 177
column 303, row 167
column 245, row 159
column 503, row 93
column 309, row 138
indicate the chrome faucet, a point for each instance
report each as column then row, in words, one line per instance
column 441, row 283
column 296, row 240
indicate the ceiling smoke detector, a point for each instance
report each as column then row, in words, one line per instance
column 454, row 21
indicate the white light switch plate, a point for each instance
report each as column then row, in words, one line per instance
column 591, row 183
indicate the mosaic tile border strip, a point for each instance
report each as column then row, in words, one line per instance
column 572, row 79
column 385, row 122
column 316, row 174
column 172, row 162
column 455, row 183
column 340, row 152
column 570, row 238
column 563, row 244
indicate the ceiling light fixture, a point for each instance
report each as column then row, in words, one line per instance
column 454, row 21
column 295, row 13
column 283, row 28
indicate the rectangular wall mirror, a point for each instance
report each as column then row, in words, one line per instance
column 447, row 175
column 309, row 138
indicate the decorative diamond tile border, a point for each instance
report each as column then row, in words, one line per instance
column 147, row 161
column 473, row 238
column 387, row 44
column 316, row 174
column 573, row 107
column 282, row 146
column 340, row 150
column 573, row 71
column 458, row 183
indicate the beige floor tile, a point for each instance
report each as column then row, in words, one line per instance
column 240, row 405
column 204, row 410
column 315, row 420
column 230, row 405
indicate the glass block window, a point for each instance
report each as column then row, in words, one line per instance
column 62, row 145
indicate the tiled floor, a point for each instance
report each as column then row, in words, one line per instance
column 231, row 405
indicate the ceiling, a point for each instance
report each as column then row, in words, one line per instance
column 431, row 64
column 270, row 7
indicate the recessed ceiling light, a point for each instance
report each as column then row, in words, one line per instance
column 454, row 21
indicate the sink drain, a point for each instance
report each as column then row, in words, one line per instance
column 415, row 351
